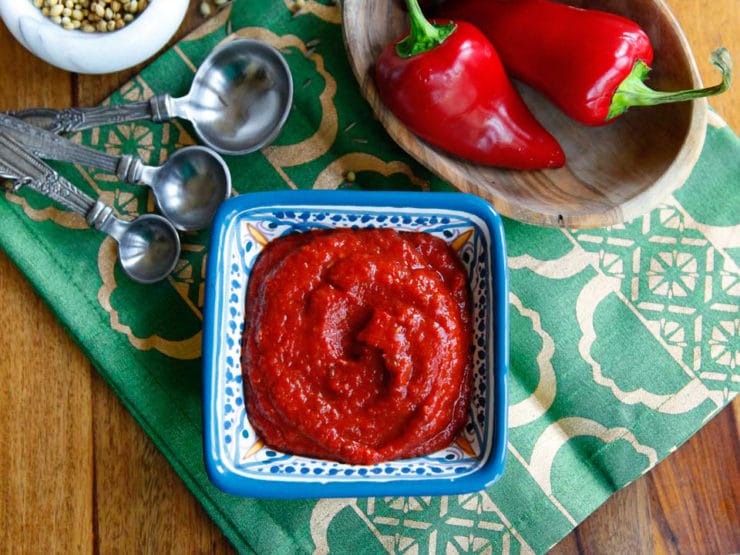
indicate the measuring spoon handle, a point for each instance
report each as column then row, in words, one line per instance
column 46, row 144
column 19, row 164
column 77, row 119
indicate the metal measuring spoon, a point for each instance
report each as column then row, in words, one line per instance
column 238, row 101
column 148, row 246
column 189, row 187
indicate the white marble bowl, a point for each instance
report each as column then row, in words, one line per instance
column 95, row 53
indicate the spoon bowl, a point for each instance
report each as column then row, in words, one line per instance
column 238, row 102
column 148, row 248
column 613, row 173
column 190, row 186
column 240, row 97
column 148, row 245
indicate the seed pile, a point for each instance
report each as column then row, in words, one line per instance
column 205, row 7
column 92, row 16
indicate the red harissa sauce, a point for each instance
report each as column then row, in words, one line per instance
column 357, row 344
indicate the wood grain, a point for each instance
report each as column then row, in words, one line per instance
column 51, row 386
column 687, row 504
column 51, row 389
column 86, row 479
column 109, row 489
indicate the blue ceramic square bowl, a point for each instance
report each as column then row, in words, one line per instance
column 236, row 459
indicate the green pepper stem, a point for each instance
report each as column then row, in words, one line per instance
column 634, row 92
column 424, row 35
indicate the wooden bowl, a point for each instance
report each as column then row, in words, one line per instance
column 613, row 173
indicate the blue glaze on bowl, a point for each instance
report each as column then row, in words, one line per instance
column 236, row 460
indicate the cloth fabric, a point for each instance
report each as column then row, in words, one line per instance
column 623, row 340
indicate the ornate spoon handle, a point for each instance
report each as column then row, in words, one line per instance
column 77, row 119
column 46, row 144
column 19, row 164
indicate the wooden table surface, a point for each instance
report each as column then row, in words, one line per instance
column 99, row 485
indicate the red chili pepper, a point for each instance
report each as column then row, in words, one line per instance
column 591, row 64
column 447, row 84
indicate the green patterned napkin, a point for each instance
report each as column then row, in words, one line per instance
column 624, row 341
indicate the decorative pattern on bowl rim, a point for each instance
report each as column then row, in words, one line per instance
column 236, row 458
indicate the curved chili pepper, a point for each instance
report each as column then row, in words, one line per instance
column 591, row 64
column 447, row 84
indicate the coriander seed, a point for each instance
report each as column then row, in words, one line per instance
column 91, row 16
